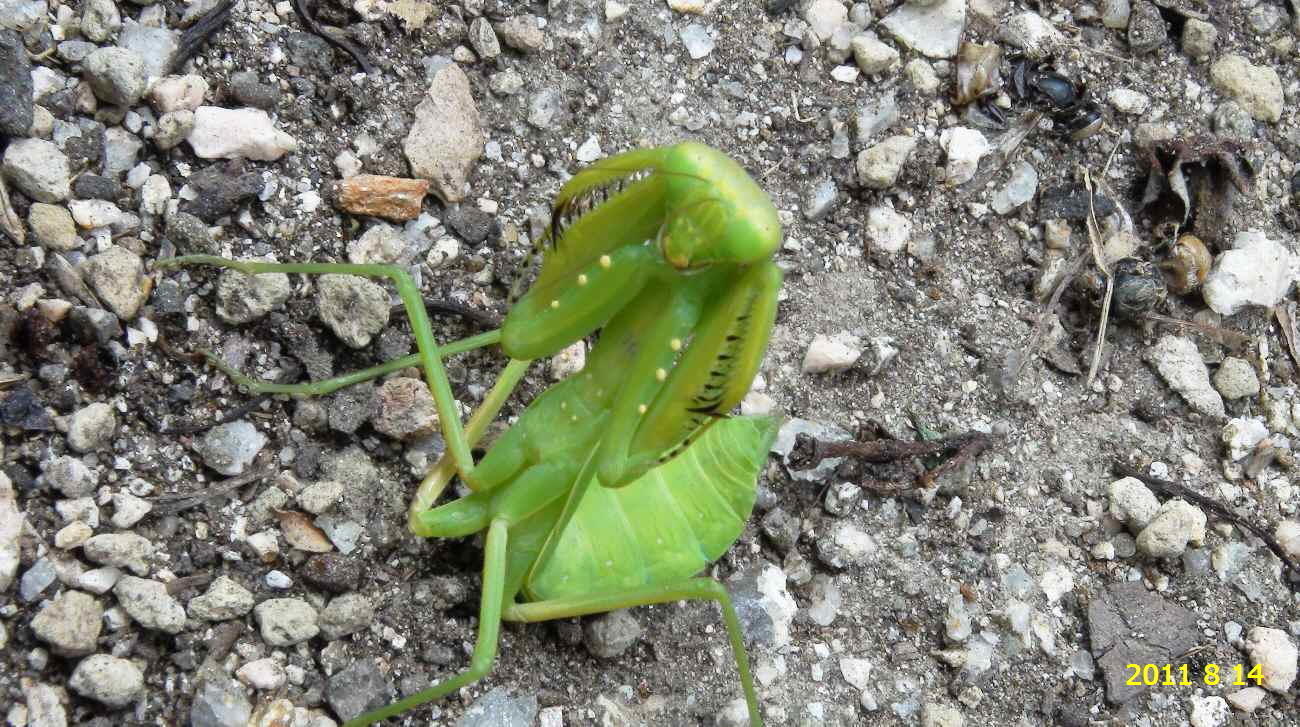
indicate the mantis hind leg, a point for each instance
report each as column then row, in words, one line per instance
column 429, row 356
column 694, row 589
column 485, row 645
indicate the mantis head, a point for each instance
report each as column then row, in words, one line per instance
column 714, row 212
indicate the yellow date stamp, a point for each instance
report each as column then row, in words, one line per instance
column 1168, row 675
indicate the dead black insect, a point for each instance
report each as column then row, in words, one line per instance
column 94, row 368
column 1139, row 287
column 1062, row 98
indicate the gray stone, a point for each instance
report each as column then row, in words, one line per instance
column 1017, row 191
column 498, row 708
column 1257, row 88
column 354, row 308
column 16, row 108
column 92, row 427
column 346, row 615
column 1236, row 379
column 1129, row 625
column 1199, row 38
column 763, row 605
column 230, row 448
column 483, row 39
column 149, row 604
column 610, row 634
column 1146, row 27
column 52, row 227
column 121, row 150
column 880, row 164
column 122, row 550
column 521, row 32
column 1032, row 33
column 70, row 476
column 116, row 75
column 405, row 409
column 117, row 275
column 107, row 679
column 243, row 298
column 224, row 600
column 357, row 689
column 219, row 701
column 1179, row 363
column 845, row 545
column 38, row 169
column 156, row 46
column 447, row 136
column 873, row 55
column 1132, row 503
column 44, row 703
column 286, row 621
column 70, row 623
column 100, row 20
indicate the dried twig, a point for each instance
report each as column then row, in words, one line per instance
column 1287, row 322
column 481, row 318
column 335, row 39
column 1017, row 364
column 178, row 501
column 196, row 35
column 9, row 222
column 1099, row 257
column 194, row 581
column 1173, row 489
column 809, row 451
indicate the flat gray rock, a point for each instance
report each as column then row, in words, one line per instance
column 1131, row 625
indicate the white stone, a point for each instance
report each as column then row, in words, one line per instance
column 1241, row 435
column 1177, row 525
column 1209, row 711
column 264, row 673
column 1256, row 271
column 1128, row 101
column 964, row 147
column 1133, row 503
column 1276, row 654
column 933, row 29
column 1247, row 700
column 237, row 133
column 1287, row 535
column 832, row 353
column 857, row 672
column 887, row 230
column 176, row 93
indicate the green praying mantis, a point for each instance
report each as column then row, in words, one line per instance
column 618, row 485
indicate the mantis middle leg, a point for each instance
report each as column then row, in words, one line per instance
column 693, row 589
column 485, row 644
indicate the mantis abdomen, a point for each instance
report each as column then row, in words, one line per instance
column 669, row 524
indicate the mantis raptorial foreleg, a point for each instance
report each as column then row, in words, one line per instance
column 428, row 352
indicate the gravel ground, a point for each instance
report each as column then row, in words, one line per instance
column 175, row 551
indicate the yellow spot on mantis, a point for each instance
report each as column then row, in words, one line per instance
column 555, row 304
column 675, row 344
column 582, row 279
column 564, row 405
column 573, row 418
column 605, row 262
column 660, row 374
column 641, row 409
